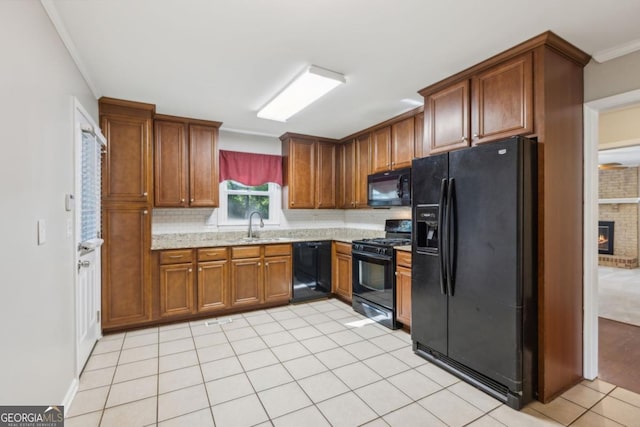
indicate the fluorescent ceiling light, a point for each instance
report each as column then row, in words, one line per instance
column 312, row 84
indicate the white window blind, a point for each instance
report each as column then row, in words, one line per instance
column 90, row 188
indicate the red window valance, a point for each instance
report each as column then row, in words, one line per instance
column 249, row 168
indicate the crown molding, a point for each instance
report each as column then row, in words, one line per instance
column 52, row 12
column 617, row 51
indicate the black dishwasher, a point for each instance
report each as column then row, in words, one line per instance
column 311, row 270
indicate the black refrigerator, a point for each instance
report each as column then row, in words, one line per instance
column 473, row 285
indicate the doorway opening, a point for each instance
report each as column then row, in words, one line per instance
column 612, row 191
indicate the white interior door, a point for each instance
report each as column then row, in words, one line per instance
column 89, row 143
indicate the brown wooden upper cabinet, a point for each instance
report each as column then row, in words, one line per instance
column 353, row 172
column 446, row 116
column 126, row 169
column 309, row 172
column 492, row 104
column 418, row 149
column 186, row 162
column 393, row 146
column 502, row 100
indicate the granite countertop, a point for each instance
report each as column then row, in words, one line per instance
column 238, row 238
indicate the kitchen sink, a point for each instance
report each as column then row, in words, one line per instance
column 260, row 239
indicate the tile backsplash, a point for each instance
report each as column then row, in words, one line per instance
column 199, row 220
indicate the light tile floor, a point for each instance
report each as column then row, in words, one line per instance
column 316, row 364
column 619, row 294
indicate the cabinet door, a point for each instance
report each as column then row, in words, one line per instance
column 126, row 275
column 326, row 175
column 170, row 164
column 381, row 150
column 419, row 150
column 302, row 174
column 213, row 285
column 246, row 282
column 362, row 170
column 176, row 289
column 343, row 276
column 203, row 166
column 403, row 295
column 277, row 279
column 126, row 169
column 348, row 175
column 502, row 104
column 402, row 142
column 446, row 115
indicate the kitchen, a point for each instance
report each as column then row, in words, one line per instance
column 51, row 196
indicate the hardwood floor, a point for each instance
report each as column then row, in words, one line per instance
column 619, row 354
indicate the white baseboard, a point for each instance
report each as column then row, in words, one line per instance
column 71, row 393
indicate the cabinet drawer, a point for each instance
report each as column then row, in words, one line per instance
column 403, row 258
column 272, row 250
column 176, row 256
column 212, row 254
column 245, row 252
column 343, row 248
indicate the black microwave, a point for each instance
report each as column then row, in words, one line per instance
column 391, row 188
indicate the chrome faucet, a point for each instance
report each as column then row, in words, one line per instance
column 250, row 235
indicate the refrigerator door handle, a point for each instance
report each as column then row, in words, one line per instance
column 442, row 236
column 451, row 237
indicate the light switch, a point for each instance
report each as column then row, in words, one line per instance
column 42, row 232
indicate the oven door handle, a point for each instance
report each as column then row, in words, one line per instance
column 366, row 255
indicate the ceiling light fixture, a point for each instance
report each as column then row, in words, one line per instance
column 313, row 83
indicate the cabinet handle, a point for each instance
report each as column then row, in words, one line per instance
column 266, row 264
column 200, row 269
column 145, row 194
column 144, row 212
column 393, row 163
column 193, row 200
column 181, row 200
column 190, row 270
column 464, row 139
column 175, row 256
column 475, row 135
column 259, row 264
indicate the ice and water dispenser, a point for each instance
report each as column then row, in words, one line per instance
column 427, row 229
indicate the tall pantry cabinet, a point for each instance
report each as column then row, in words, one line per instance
column 127, row 188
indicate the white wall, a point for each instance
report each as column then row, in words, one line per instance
column 613, row 77
column 37, row 82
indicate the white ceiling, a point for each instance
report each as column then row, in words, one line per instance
column 223, row 60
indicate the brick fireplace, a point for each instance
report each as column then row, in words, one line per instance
column 619, row 192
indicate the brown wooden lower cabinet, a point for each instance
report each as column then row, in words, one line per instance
column 246, row 282
column 213, row 289
column 176, row 289
column 277, row 278
column 126, row 278
column 260, row 274
column 403, row 287
column 189, row 282
column 176, row 282
column 342, row 271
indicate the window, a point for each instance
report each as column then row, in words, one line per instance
column 90, row 188
column 237, row 201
